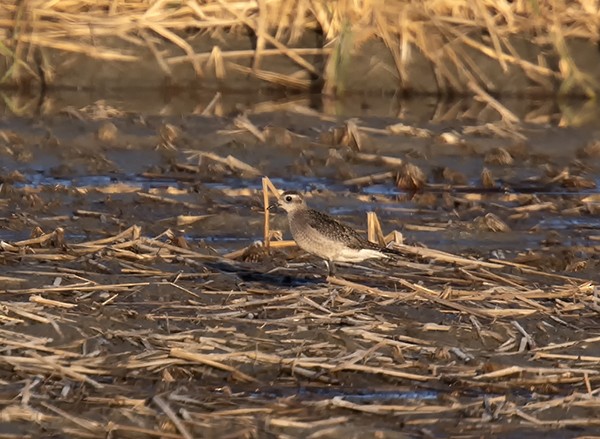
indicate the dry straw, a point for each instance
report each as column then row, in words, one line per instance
column 111, row 336
column 451, row 35
column 166, row 340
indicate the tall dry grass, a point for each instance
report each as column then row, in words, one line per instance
column 446, row 32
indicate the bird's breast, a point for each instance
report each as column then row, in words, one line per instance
column 311, row 240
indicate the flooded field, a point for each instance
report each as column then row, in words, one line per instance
column 138, row 299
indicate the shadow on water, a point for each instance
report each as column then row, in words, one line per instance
column 273, row 279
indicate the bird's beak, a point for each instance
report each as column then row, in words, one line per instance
column 273, row 206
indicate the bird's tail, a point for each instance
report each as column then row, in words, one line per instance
column 385, row 250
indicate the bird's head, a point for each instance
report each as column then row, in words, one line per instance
column 290, row 201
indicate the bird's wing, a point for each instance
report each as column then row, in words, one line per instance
column 335, row 230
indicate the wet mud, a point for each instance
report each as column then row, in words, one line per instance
column 139, row 301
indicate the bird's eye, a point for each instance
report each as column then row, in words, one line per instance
column 288, row 198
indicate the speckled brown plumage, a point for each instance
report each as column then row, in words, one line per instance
column 324, row 236
column 332, row 229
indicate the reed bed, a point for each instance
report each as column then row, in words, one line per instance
column 452, row 36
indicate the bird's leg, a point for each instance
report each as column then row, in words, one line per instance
column 330, row 268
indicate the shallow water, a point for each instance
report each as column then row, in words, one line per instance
column 68, row 177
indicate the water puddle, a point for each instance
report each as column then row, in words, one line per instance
column 358, row 396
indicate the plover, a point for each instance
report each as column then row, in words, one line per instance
column 324, row 236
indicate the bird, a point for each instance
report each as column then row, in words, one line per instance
column 322, row 235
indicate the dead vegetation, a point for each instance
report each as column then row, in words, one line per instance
column 452, row 36
column 153, row 336
column 129, row 324
column 486, row 334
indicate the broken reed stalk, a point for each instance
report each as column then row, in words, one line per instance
column 267, row 187
column 374, row 232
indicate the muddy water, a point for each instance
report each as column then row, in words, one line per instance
column 95, row 176
column 64, row 165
